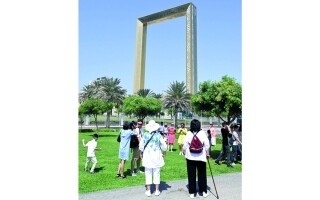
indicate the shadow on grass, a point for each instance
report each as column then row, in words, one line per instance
column 97, row 169
column 106, row 135
column 127, row 172
column 86, row 130
column 214, row 154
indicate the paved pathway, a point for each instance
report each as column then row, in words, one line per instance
column 228, row 185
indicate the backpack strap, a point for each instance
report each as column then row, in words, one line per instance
column 194, row 134
column 154, row 132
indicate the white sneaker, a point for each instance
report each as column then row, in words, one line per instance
column 157, row 193
column 133, row 174
column 233, row 164
column 192, row 196
column 148, row 193
column 139, row 171
column 205, row 194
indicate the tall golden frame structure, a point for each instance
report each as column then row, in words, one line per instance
column 188, row 10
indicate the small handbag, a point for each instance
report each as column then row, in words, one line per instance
column 119, row 138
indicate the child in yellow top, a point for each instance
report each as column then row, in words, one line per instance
column 182, row 131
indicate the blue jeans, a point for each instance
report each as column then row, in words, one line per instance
column 234, row 153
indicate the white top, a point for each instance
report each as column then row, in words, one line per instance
column 161, row 128
column 196, row 156
column 235, row 135
column 91, row 148
column 152, row 155
column 138, row 133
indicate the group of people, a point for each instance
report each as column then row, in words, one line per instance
column 151, row 150
column 230, row 139
column 157, row 139
column 134, row 129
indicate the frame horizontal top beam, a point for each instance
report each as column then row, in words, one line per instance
column 165, row 14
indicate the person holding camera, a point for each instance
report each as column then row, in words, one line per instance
column 225, row 148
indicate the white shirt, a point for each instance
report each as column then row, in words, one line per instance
column 152, row 155
column 138, row 133
column 161, row 129
column 91, row 148
column 196, row 156
column 235, row 135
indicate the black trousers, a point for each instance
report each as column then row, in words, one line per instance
column 192, row 168
column 225, row 152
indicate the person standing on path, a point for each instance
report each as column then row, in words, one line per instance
column 225, row 148
column 153, row 147
column 91, row 156
column 196, row 161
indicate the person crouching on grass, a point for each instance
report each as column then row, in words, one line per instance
column 91, row 157
column 153, row 147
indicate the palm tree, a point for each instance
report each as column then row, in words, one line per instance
column 89, row 91
column 177, row 98
column 145, row 93
column 157, row 96
column 111, row 91
column 107, row 89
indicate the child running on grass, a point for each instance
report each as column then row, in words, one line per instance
column 91, row 157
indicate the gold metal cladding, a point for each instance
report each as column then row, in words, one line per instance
column 188, row 10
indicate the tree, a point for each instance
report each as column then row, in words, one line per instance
column 81, row 114
column 157, row 96
column 107, row 89
column 111, row 91
column 95, row 107
column 89, row 91
column 145, row 93
column 222, row 99
column 140, row 106
column 177, row 98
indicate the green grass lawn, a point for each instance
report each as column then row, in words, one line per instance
column 104, row 177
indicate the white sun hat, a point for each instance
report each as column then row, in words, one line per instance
column 152, row 126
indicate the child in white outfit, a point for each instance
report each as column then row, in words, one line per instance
column 91, row 157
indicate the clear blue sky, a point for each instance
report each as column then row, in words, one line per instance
column 107, row 36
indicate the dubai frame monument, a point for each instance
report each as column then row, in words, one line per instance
column 188, row 10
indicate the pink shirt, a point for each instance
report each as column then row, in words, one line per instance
column 171, row 130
